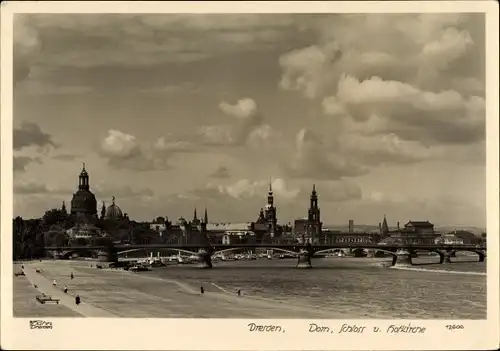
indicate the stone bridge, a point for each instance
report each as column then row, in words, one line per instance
column 401, row 253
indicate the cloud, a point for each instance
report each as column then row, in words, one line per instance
column 420, row 49
column 410, row 113
column 243, row 109
column 222, row 172
column 20, row 162
column 27, row 46
column 416, row 95
column 30, row 187
column 30, row 134
column 246, row 189
column 125, row 151
column 246, row 128
column 145, row 39
column 316, row 159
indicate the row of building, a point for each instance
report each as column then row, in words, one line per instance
column 265, row 229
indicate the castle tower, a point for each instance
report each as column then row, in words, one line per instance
column 314, row 224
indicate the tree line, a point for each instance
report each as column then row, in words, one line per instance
column 30, row 236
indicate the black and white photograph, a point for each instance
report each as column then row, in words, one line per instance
column 257, row 166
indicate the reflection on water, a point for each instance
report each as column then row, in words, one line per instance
column 350, row 284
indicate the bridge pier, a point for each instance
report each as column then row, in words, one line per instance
column 445, row 256
column 204, row 258
column 370, row 253
column 107, row 256
column 304, row 260
column 402, row 258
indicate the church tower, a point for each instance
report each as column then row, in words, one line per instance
column 63, row 208
column 313, row 219
column 195, row 221
column 384, row 230
column 270, row 212
column 205, row 219
column 84, row 203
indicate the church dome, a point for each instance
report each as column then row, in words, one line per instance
column 113, row 211
column 84, row 202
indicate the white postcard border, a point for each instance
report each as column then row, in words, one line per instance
column 233, row 334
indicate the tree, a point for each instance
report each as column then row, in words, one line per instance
column 54, row 216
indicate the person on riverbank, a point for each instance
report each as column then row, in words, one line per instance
column 54, row 283
column 77, row 299
column 202, row 290
column 71, row 275
column 239, row 292
column 65, row 289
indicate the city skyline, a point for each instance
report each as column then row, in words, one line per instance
column 170, row 118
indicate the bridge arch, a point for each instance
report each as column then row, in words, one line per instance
column 164, row 249
column 331, row 249
column 264, row 248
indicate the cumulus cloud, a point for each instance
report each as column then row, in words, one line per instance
column 125, row 151
column 247, row 126
column 414, row 95
column 30, row 134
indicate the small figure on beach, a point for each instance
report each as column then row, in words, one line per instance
column 71, row 276
column 54, row 283
column 77, row 299
column 35, row 286
column 22, row 267
column 65, row 289
column 239, row 292
column 202, row 290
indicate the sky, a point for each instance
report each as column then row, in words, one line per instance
column 385, row 113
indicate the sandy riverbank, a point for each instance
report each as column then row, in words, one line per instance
column 112, row 293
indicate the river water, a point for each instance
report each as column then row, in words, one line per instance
column 359, row 287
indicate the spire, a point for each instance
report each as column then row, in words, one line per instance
column 206, row 216
column 270, row 185
column 113, row 199
column 385, row 227
column 63, row 208
column 314, row 188
column 195, row 217
column 83, row 168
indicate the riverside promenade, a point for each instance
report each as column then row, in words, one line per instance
column 45, row 286
column 115, row 293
